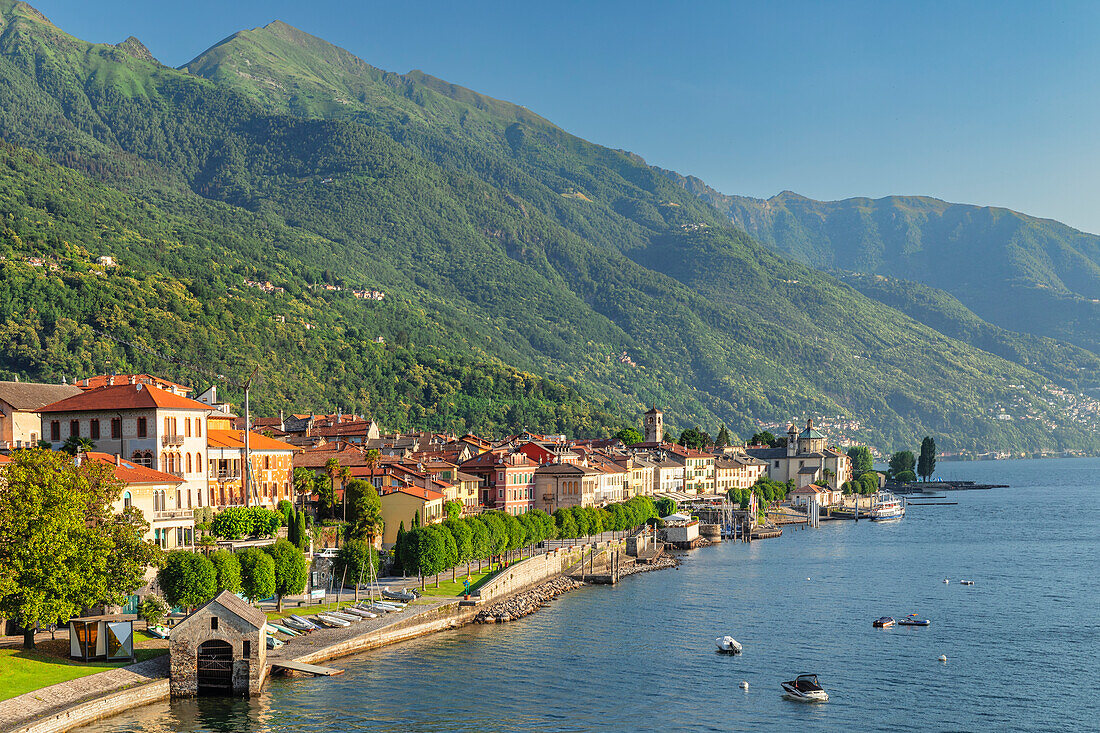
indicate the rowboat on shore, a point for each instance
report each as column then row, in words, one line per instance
column 360, row 612
column 331, row 621
column 351, row 617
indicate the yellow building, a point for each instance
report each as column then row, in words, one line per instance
column 401, row 504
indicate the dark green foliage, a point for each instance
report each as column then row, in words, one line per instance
column 771, row 490
column 74, row 445
column 926, row 464
column 905, row 476
column 234, row 523
column 187, row 579
column 453, row 509
column 257, row 573
column 289, row 568
column 694, row 438
column 364, row 510
column 152, row 609
column 763, row 438
column 868, row 483
column 285, row 508
column 353, row 561
column 902, row 461
column 723, row 438
column 480, row 546
column 666, row 506
column 463, row 538
column 630, row 435
column 498, row 531
column 862, row 460
column 227, row 570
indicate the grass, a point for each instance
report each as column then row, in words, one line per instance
column 451, row 589
column 26, row 670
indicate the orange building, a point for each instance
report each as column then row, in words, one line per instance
column 272, row 468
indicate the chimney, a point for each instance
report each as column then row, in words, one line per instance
column 118, row 459
column 282, row 422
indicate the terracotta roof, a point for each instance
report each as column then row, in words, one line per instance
column 133, row 473
column 235, row 439
column 31, row 396
column 125, row 397
column 418, row 492
column 107, row 380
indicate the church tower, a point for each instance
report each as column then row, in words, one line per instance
column 654, row 425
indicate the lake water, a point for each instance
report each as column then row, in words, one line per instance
column 1022, row 643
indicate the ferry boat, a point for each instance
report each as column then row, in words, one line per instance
column 885, row 505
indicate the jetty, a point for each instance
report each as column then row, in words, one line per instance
column 292, row 665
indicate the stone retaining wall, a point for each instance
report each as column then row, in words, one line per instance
column 102, row 707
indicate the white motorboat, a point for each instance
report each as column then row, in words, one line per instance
column 361, row 613
column 966, row 582
column 885, row 505
column 346, row 616
column 299, row 623
column 728, row 645
column 400, row 596
column 331, row 621
column 804, row 688
column 391, row 606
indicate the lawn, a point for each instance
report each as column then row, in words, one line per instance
column 24, row 670
column 451, row 589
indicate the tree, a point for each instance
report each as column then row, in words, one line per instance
column 428, row 550
column 290, row 569
column 152, row 609
column 479, row 539
column 62, row 548
column 303, row 482
column 257, row 573
column 666, row 506
column 188, row 579
column 926, row 464
column 498, row 533
column 763, row 438
column 302, row 532
column 326, row 493
column 354, row 559
column 76, row 444
column 364, row 510
column 905, row 476
column 285, row 508
column 416, row 519
column 630, row 436
column 516, row 533
column 227, row 571
column 902, row 461
column 463, row 536
column 868, row 483
column 694, row 438
column 862, row 459
column 453, row 509
column 723, row 438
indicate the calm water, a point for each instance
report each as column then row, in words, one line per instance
column 1022, row 644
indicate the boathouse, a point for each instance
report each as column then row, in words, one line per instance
column 219, row 649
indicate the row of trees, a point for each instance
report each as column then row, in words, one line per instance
column 189, row 579
column 904, row 466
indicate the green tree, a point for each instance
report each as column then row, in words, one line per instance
column 479, row 538
column 364, row 510
column 453, row 509
column 227, row 571
column 285, row 508
column 630, row 436
column 694, row 438
column 498, row 533
column 152, row 609
column 326, row 493
column 902, row 461
column 62, row 548
column 76, row 444
column 516, row 533
column 257, row 573
column 463, row 537
column 905, row 476
column 723, row 438
column 303, row 483
column 354, row 559
column 926, row 464
column 188, row 579
column 290, row 569
column 666, row 506
column 764, row 437
column 862, row 460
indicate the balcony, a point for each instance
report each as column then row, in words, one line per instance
column 173, row 514
column 171, row 440
column 226, row 475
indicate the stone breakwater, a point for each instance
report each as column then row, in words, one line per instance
column 526, row 602
column 661, row 563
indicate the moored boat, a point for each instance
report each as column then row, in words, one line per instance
column 299, row 623
column 883, row 623
column 361, row 613
column 345, row 616
column 914, row 620
column 331, row 621
column 283, row 629
column 159, row 630
column 728, row 645
column 399, row 596
column 885, row 505
column 804, row 688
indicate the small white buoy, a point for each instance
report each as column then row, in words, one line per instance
column 807, row 578
column 943, row 657
column 946, row 580
column 744, row 685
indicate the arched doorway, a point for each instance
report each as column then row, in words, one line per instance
column 215, row 673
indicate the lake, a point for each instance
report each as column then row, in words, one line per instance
column 1022, row 645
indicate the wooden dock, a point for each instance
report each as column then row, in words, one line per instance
column 313, row 669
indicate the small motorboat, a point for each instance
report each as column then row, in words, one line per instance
column 345, row 616
column 361, row 613
column 299, row 623
column 331, row 621
column 159, row 630
column 397, row 596
column 914, row 620
column 273, row 642
column 966, row 582
column 883, row 623
column 380, row 609
column 804, row 688
column 283, row 629
column 728, row 645
column 391, row 605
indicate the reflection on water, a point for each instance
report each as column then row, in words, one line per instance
column 640, row 656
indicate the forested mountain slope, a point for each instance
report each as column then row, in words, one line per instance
column 1016, row 271
column 498, row 236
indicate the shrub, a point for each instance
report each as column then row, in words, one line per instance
column 153, row 609
column 285, row 508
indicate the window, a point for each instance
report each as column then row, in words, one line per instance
column 187, row 426
column 175, row 430
column 55, row 430
column 127, row 500
column 167, row 426
column 247, row 648
column 94, row 429
column 179, row 498
column 267, row 462
column 142, row 427
column 198, row 462
column 74, row 428
column 213, row 623
column 189, row 463
column 198, row 427
column 116, row 427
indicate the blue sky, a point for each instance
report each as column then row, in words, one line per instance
column 985, row 103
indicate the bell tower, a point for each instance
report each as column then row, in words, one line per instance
column 654, row 425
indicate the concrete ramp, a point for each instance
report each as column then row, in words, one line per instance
column 312, row 669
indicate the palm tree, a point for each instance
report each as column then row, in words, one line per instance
column 76, row 444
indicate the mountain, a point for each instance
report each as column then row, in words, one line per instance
column 522, row 266
column 1015, row 271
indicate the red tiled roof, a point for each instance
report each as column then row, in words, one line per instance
column 235, row 439
column 106, row 380
column 133, row 473
column 418, row 492
column 125, row 397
